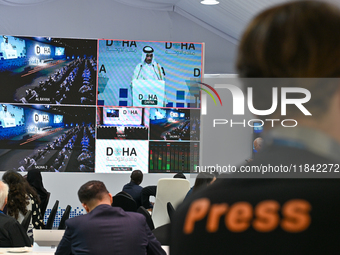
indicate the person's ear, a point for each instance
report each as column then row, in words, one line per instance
column 85, row 207
column 111, row 199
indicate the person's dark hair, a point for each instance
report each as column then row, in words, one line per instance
column 137, row 176
column 202, row 180
column 92, row 190
column 180, row 175
column 34, row 179
column 297, row 39
column 19, row 188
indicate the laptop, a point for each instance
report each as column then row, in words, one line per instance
column 48, row 237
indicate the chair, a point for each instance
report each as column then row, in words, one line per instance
column 65, row 216
column 163, row 233
column 50, row 220
column 26, row 221
column 44, row 206
column 147, row 215
column 145, row 195
column 171, row 190
column 171, row 210
column 124, row 201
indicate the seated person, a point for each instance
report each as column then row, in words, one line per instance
column 12, row 233
column 106, row 229
column 202, row 180
column 21, row 199
column 133, row 187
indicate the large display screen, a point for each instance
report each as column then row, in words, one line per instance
column 12, row 48
column 59, row 51
column 148, row 74
column 104, row 106
column 43, row 72
column 11, row 116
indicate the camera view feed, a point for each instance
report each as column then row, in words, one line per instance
column 45, row 137
column 174, row 124
column 39, row 70
column 173, row 157
column 122, row 123
column 148, row 74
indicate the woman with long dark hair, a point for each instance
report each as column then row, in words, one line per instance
column 22, row 198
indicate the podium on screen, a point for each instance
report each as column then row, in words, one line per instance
column 148, row 93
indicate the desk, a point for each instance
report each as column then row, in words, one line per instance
column 35, row 250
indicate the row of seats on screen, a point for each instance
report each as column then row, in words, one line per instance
column 9, row 132
column 73, row 83
column 87, row 90
column 9, row 64
column 59, row 150
column 59, row 143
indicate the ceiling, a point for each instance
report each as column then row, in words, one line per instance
column 222, row 24
column 226, row 19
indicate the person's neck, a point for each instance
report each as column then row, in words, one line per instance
column 92, row 207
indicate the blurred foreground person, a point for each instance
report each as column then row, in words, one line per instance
column 283, row 214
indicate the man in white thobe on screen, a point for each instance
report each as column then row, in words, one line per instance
column 148, row 69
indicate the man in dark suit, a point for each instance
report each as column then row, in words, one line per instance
column 133, row 187
column 12, row 233
column 295, row 208
column 105, row 229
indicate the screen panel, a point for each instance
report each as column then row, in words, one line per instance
column 147, row 74
column 61, row 114
column 40, row 71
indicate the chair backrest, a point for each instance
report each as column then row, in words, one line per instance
column 171, row 190
column 26, row 221
column 44, row 206
column 50, row 220
column 124, row 201
column 171, row 210
column 147, row 215
column 65, row 216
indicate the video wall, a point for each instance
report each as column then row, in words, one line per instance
column 104, row 106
